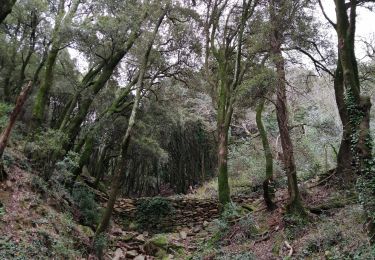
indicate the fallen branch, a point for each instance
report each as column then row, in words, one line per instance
column 4, row 137
column 324, row 180
column 289, row 247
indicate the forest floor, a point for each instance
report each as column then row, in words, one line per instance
column 37, row 225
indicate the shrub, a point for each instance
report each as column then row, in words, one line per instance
column 5, row 110
column 100, row 243
column 152, row 210
column 86, row 204
column 232, row 227
column 39, row 185
column 46, row 147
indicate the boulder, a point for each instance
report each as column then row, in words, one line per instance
column 119, row 254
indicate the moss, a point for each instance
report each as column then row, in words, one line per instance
column 159, row 241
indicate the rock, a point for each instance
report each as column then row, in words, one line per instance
column 140, row 257
column 132, row 253
column 205, row 223
column 183, row 234
column 128, row 236
column 87, row 231
column 159, row 241
column 196, row 229
column 132, row 226
column 117, row 231
column 8, row 183
column 118, row 254
column 140, row 238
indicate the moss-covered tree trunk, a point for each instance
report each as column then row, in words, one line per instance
column 358, row 107
column 295, row 204
column 268, row 192
column 6, row 8
column 63, row 20
column 43, row 92
column 122, row 161
column 344, row 155
column 84, row 157
column 71, row 124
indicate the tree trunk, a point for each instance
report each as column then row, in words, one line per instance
column 6, row 8
column 12, row 120
column 121, row 167
column 84, row 158
column 344, row 155
column 295, row 204
column 268, row 193
column 63, row 19
column 222, row 151
column 47, row 82
column 72, row 125
column 358, row 108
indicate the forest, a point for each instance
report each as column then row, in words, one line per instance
column 187, row 129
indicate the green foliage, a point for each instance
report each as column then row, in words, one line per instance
column 233, row 227
column 69, row 163
column 100, row 243
column 45, row 147
column 5, row 110
column 38, row 184
column 329, row 236
column 87, row 206
column 295, row 225
column 151, row 211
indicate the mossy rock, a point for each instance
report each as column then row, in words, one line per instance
column 87, row 231
column 160, row 245
column 159, row 241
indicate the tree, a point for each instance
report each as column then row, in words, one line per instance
column 225, row 28
column 62, row 21
column 281, row 14
column 121, row 167
column 97, row 77
column 267, row 193
column 358, row 106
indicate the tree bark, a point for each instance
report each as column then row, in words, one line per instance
column 344, row 155
column 268, row 193
column 4, row 137
column 295, row 204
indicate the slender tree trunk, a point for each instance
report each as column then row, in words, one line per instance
column 84, row 158
column 72, row 125
column 6, row 8
column 25, row 61
column 222, row 134
column 63, row 20
column 268, row 193
column 12, row 120
column 295, row 204
column 47, row 82
column 121, row 167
